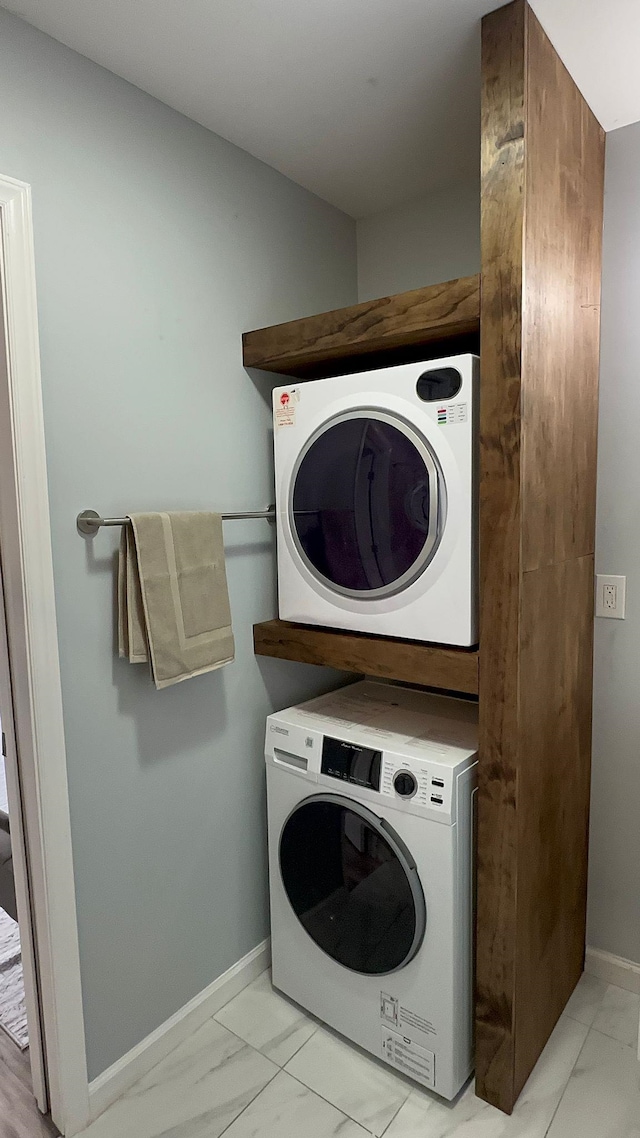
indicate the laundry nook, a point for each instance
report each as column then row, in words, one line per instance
column 319, row 784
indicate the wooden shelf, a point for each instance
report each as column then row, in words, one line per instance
column 442, row 318
column 450, row 669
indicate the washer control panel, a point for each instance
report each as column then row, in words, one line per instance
column 416, row 784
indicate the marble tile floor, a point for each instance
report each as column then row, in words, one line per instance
column 263, row 1068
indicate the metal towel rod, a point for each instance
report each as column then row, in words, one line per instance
column 89, row 522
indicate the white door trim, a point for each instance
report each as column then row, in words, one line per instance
column 18, row 844
column 35, row 673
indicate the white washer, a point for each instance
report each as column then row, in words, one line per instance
column 376, row 484
column 370, row 807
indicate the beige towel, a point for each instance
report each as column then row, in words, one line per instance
column 173, row 603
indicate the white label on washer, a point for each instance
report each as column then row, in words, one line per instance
column 404, row 1054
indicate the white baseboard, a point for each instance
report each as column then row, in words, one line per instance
column 613, row 969
column 118, row 1078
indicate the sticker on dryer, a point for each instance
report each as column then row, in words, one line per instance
column 408, row 1057
column 285, row 410
column 453, row 413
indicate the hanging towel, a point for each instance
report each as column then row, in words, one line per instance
column 173, row 603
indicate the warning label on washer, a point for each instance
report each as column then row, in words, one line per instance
column 392, row 1011
column 408, row 1057
column 407, row 1018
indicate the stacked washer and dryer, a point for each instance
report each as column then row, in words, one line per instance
column 370, row 789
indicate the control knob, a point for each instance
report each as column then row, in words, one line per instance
column 405, row 784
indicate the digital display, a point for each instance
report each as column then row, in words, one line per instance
column 351, row 763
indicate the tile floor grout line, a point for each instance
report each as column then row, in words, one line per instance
column 364, row 1055
column 252, row 1100
column 305, row 1016
column 599, row 1031
column 392, row 1120
column 264, row 1053
column 339, row 1108
column 245, row 989
column 346, row 1112
column 574, row 1019
column 568, row 1080
column 296, row 1080
column 303, row 1044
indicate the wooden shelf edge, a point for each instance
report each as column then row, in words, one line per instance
column 437, row 312
column 450, row 669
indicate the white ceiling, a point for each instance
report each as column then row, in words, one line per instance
column 599, row 43
column 365, row 102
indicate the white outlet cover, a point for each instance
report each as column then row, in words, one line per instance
column 606, row 585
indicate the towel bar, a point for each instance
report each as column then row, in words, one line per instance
column 89, row 522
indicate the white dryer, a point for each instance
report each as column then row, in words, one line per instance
column 376, row 485
column 370, row 818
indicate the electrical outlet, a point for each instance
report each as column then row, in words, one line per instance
column 610, row 596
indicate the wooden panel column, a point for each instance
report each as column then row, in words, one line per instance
column 542, row 191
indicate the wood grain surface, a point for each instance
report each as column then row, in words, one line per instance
column 564, row 193
column 423, row 316
column 503, row 70
column 553, row 798
column 448, row 669
column 542, row 178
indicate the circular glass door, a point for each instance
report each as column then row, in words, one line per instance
column 366, row 505
column 352, row 884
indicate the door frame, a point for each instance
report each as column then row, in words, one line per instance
column 42, row 855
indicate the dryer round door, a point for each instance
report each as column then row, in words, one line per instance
column 353, row 884
column 367, row 504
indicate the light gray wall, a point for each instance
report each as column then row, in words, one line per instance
column 433, row 238
column 614, row 872
column 157, row 244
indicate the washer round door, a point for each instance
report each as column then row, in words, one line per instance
column 367, row 504
column 353, row 884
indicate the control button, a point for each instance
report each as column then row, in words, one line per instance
column 405, row 784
